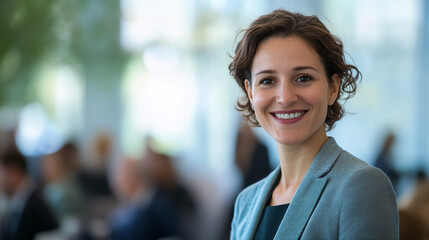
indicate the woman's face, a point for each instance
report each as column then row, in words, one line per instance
column 289, row 90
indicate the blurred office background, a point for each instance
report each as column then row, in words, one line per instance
column 135, row 70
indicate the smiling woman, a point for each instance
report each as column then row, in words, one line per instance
column 293, row 73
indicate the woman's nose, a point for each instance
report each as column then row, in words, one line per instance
column 286, row 94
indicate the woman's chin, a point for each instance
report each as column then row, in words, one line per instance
column 289, row 140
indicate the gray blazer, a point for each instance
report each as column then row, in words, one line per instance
column 341, row 197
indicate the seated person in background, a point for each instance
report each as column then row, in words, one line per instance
column 251, row 156
column 61, row 190
column 93, row 176
column 166, row 179
column 145, row 213
column 385, row 159
column 27, row 213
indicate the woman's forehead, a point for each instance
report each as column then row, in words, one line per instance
column 285, row 52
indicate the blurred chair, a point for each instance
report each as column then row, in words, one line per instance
column 417, row 204
column 411, row 226
column 27, row 212
column 145, row 212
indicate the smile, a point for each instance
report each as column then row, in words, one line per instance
column 288, row 116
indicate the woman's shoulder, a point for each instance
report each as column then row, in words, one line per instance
column 352, row 166
column 366, row 200
column 346, row 159
column 356, row 174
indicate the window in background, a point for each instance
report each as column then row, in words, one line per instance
column 161, row 99
column 178, row 89
column 382, row 38
column 384, row 46
column 56, row 116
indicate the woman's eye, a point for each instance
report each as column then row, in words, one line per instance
column 304, row 79
column 266, row 81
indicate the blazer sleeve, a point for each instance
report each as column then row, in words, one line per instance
column 369, row 209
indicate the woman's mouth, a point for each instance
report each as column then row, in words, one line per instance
column 288, row 116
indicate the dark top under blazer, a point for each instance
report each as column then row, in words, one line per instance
column 341, row 197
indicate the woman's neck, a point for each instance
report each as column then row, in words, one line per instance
column 295, row 160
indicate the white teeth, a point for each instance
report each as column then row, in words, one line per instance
column 288, row 116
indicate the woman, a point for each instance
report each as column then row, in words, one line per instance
column 293, row 72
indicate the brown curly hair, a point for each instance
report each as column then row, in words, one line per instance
column 283, row 23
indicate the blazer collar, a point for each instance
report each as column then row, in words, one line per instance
column 305, row 198
column 325, row 158
column 308, row 192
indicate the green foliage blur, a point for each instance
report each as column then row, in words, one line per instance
column 36, row 33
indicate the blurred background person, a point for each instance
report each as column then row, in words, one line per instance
column 61, row 189
column 144, row 211
column 27, row 212
column 385, row 160
column 251, row 156
column 93, row 175
column 252, row 161
column 166, row 179
column 6, row 142
column 94, row 180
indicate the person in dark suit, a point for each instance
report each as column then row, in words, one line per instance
column 27, row 214
column 251, row 156
column 293, row 73
column 145, row 213
column 166, row 179
column 385, row 158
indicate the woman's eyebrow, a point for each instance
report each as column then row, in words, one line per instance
column 295, row 69
column 300, row 68
column 266, row 72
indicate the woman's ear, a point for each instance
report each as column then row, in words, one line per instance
column 334, row 88
column 248, row 87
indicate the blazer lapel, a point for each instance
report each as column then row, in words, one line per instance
column 300, row 209
column 308, row 193
column 261, row 201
